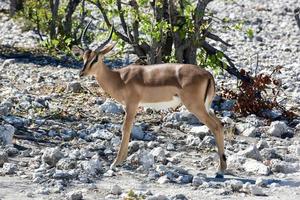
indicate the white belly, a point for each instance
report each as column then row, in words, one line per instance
column 163, row 105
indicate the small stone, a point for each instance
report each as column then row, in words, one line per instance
column 66, row 164
column 179, row 197
column 74, row 87
column 256, row 191
column 269, row 153
column 208, row 141
column 227, row 120
column 261, row 182
column 200, row 131
column 250, row 132
column 111, row 107
column 11, row 150
column 163, row 179
column 18, row 122
column 197, row 180
column 146, row 159
column 157, row 197
column 259, row 38
column 51, row 156
column 284, row 167
column 93, row 166
column 241, row 127
column 9, row 168
column 235, row 161
column 8, row 62
column 192, row 140
column 102, row 134
column 75, row 195
column 138, row 133
column 235, row 185
column 30, row 194
column 26, row 105
column 184, row 179
column 183, row 116
column 253, row 120
column 227, row 113
column 251, row 152
column 60, row 174
column 262, row 144
column 170, row 147
column 273, row 185
column 44, row 191
column 152, row 144
column 161, row 169
column 3, row 158
column 256, row 167
column 278, row 128
column 6, row 134
column 158, row 153
column 133, row 147
column 115, row 141
column 109, row 173
column 294, row 149
column 116, row 190
column 5, row 108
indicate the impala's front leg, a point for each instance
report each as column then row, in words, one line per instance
column 126, row 130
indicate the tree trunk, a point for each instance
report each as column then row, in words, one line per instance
column 67, row 24
column 190, row 55
column 15, row 6
column 54, row 12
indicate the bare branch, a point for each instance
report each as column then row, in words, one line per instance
column 104, row 14
column 38, row 25
column 231, row 69
column 121, row 15
column 216, row 38
column 199, row 12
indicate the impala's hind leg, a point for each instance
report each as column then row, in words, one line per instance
column 197, row 107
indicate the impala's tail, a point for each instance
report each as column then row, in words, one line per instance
column 209, row 94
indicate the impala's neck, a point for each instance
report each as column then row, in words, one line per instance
column 109, row 80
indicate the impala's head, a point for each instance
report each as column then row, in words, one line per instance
column 92, row 58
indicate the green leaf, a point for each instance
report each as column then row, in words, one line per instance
column 250, row 33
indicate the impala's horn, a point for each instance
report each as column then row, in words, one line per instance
column 85, row 46
column 106, row 41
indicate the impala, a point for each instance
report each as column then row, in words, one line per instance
column 154, row 85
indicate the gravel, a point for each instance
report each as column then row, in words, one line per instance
column 57, row 140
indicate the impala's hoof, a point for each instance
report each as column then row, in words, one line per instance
column 219, row 175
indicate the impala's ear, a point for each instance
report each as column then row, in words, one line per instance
column 107, row 48
column 77, row 51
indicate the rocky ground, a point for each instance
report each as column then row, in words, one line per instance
column 59, row 134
